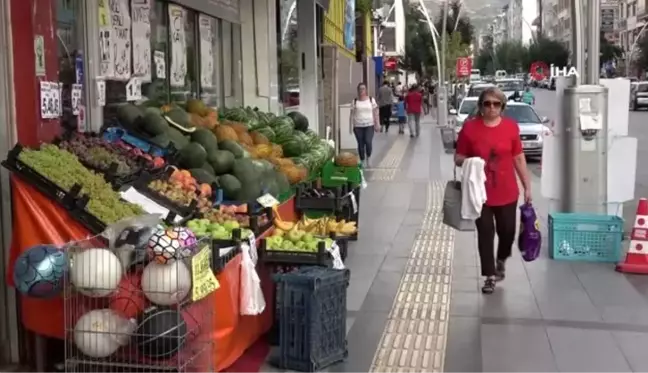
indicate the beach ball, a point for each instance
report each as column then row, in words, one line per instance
column 95, row 272
column 100, row 333
column 166, row 284
column 39, row 272
column 160, row 333
column 170, row 244
column 128, row 300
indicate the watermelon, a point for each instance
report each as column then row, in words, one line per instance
column 301, row 122
column 313, row 138
column 267, row 132
column 283, row 132
column 282, row 121
column 293, row 148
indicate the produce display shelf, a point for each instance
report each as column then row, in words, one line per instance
column 319, row 258
column 142, row 186
column 115, row 133
column 333, row 203
column 255, row 218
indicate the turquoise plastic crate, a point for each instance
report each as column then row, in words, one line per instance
column 585, row 237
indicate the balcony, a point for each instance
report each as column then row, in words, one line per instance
column 622, row 23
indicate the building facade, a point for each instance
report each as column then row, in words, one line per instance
column 515, row 20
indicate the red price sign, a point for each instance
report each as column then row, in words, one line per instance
column 464, row 65
column 391, row 64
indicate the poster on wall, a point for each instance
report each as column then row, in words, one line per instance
column 178, row 70
column 121, row 39
column 106, row 60
column 206, row 51
column 349, row 25
column 141, row 33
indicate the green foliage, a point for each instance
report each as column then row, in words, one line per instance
column 363, row 6
column 609, row 51
column 640, row 54
column 456, row 17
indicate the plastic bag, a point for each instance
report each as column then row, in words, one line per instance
column 337, row 258
column 254, row 253
column 128, row 237
column 529, row 238
column 252, row 300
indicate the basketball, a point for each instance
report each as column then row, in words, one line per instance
column 39, row 271
column 197, row 316
column 95, row 272
column 100, row 333
column 160, row 333
column 166, row 284
column 170, row 244
column 128, row 300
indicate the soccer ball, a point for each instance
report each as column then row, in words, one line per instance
column 170, row 244
column 39, row 271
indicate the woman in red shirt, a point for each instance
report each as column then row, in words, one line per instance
column 414, row 106
column 495, row 139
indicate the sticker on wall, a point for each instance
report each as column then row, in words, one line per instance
column 101, row 93
column 178, row 70
column 206, row 51
column 134, row 90
column 39, row 51
column 78, row 67
column 75, row 94
column 81, row 119
column 58, row 98
column 141, row 34
column 104, row 13
column 46, row 108
column 107, row 63
column 160, row 65
column 121, row 38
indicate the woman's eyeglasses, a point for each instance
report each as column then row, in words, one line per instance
column 492, row 104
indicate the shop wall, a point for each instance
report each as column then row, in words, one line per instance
column 259, row 57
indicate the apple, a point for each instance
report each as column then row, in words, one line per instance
column 295, row 235
column 230, row 225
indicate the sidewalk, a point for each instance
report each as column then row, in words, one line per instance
column 414, row 302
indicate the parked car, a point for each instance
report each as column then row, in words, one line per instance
column 638, row 95
column 476, row 89
column 533, row 129
column 466, row 107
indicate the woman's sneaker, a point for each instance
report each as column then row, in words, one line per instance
column 489, row 286
column 500, row 270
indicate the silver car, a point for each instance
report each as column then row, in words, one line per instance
column 533, row 129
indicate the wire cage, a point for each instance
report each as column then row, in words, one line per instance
column 149, row 309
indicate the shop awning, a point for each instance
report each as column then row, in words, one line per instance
column 223, row 9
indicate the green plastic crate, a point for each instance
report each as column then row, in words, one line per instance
column 333, row 176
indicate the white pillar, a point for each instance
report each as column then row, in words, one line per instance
column 307, row 41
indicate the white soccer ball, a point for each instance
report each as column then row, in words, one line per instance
column 95, row 272
column 100, row 333
column 166, row 284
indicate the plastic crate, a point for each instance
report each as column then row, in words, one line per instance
column 585, row 237
column 312, row 318
column 142, row 186
column 333, row 175
column 334, row 203
column 319, row 258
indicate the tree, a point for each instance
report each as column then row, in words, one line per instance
column 639, row 58
column 455, row 48
column 548, row 51
column 511, row 56
column 609, row 51
column 419, row 46
column 464, row 27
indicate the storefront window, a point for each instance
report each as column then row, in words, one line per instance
column 158, row 88
column 237, row 66
column 68, row 50
column 288, row 54
column 228, row 88
column 184, row 74
column 210, row 61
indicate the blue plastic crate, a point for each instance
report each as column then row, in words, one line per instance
column 585, row 237
column 312, row 318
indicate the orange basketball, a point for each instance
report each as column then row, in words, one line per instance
column 128, row 300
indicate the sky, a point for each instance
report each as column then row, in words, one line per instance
column 529, row 13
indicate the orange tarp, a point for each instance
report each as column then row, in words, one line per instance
column 38, row 220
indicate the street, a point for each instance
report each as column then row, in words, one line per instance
column 638, row 127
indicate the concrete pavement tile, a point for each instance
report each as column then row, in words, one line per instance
column 357, row 293
column 463, row 349
column 633, row 347
column 398, row 195
column 418, row 199
column 465, row 304
column 609, row 288
column 465, row 285
column 382, row 292
column 414, row 218
column 509, row 303
column 516, row 348
column 578, row 350
column 394, row 265
column 363, row 339
column 625, row 315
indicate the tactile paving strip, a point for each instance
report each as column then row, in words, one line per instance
column 414, row 339
column 386, row 170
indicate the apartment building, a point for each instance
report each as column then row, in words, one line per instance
column 632, row 17
column 515, row 20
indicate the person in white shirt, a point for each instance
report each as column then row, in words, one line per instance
column 398, row 90
column 364, row 121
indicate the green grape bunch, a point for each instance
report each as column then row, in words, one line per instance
column 64, row 169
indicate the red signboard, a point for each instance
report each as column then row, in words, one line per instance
column 391, row 64
column 464, row 65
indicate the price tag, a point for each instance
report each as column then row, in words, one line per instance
column 267, row 200
column 76, row 98
column 45, row 110
column 160, row 64
column 81, row 119
column 101, row 93
column 204, row 281
column 134, row 89
column 354, row 203
column 57, row 93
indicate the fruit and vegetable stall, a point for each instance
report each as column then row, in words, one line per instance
column 252, row 184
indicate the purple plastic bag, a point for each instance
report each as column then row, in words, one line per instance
column 529, row 238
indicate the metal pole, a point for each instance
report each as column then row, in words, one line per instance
column 443, row 95
column 593, row 42
column 578, row 57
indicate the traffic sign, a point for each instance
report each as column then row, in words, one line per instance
column 464, row 65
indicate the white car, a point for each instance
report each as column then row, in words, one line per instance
column 510, row 86
column 466, row 107
column 533, row 129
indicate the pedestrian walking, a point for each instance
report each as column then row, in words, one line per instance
column 364, row 121
column 495, row 139
column 426, row 100
column 414, row 107
column 402, row 115
column 528, row 97
column 385, row 103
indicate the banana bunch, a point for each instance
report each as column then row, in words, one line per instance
column 283, row 225
column 327, row 225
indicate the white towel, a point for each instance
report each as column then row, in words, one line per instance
column 473, row 188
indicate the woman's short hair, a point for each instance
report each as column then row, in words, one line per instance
column 361, row 84
column 491, row 91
